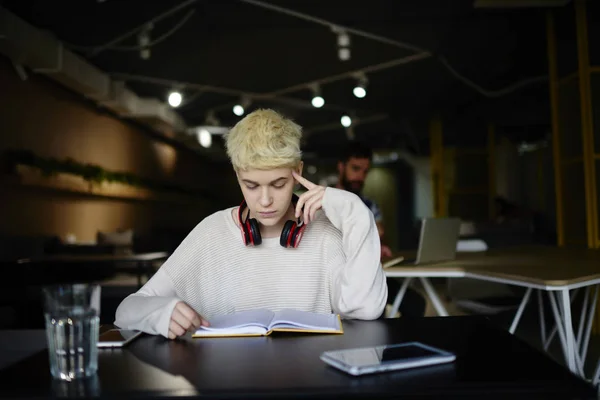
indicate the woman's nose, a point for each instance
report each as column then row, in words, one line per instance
column 265, row 198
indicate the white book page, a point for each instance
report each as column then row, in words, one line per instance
column 246, row 330
column 260, row 318
column 302, row 319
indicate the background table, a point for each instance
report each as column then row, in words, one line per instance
column 558, row 272
column 142, row 262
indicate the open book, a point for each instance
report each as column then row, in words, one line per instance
column 263, row 322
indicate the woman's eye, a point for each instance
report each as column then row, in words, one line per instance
column 279, row 186
column 251, row 187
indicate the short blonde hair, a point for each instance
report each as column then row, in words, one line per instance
column 264, row 139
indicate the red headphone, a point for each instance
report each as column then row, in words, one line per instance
column 290, row 235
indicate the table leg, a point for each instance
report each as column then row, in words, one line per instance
column 399, row 297
column 582, row 319
column 553, row 331
column 565, row 329
column 517, row 318
column 566, row 305
column 562, row 330
column 542, row 317
column 439, row 307
column 596, row 376
column 558, row 326
column 588, row 328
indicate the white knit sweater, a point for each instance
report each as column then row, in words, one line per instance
column 336, row 268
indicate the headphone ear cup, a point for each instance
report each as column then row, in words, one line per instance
column 287, row 231
column 254, row 229
column 297, row 235
column 245, row 234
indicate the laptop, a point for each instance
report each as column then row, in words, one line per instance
column 437, row 241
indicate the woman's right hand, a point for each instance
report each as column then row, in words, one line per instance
column 184, row 319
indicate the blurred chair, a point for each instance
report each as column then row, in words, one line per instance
column 121, row 240
column 471, row 245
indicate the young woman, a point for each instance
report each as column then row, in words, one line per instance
column 319, row 252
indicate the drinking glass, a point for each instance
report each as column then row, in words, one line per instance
column 72, row 314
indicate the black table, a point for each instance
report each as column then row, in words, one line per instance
column 491, row 363
column 74, row 267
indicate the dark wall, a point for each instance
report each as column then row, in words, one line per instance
column 43, row 117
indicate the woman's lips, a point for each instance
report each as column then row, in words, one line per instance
column 267, row 214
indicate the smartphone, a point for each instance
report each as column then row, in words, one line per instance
column 368, row 360
column 117, row 337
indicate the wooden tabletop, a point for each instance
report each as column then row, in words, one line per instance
column 441, row 269
column 538, row 265
column 447, row 269
column 549, row 267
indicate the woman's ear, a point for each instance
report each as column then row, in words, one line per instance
column 299, row 168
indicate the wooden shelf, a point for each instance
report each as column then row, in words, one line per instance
column 33, row 177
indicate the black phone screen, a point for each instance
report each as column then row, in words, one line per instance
column 395, row 353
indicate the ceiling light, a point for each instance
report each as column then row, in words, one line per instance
column 175, row 98
column 145, row 54
column 359, row 91
column 144, row 41
column 238, row 110
column 344, row 53
column 343, row 43
column 346, row 121
column 204, row 138
column 343, row 38
column 318, row 101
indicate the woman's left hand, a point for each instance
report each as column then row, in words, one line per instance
column 311, row 201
